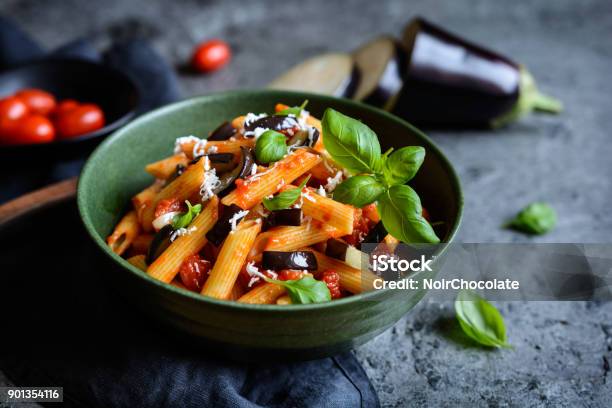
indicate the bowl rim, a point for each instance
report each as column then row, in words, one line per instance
column 108, row 128
column 211, row 98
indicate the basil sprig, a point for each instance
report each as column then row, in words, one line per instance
column 536, row 218
column 271, row 146
column 480, row 320
column 294, row 110
column 184, row 219
column 359, row 190
column 286, row 198
column 305, row 290
column 380, row 177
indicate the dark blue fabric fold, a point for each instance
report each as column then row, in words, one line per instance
column 64, row 328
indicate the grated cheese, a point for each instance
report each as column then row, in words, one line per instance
column 180, row 141
column 255, row 274
column 307, row 196
column 254, row 169
column 182, row 231
column 332, row 183
column 237, row 217
column 321, row 192
column 212, row 149
column 251, row 117
column 258, row 131
column 199, row 148
column 211, row 181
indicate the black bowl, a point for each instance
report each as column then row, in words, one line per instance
column 76, row 79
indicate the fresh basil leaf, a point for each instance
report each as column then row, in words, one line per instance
column 271, row 146
column 286, row 198
column 351, row 143
column 305, row 290
column 536, row 218
column 480, row 320
column 403, row 164
column 400, row 211
column 359, row 190
column 184, row 219
column 294, row 110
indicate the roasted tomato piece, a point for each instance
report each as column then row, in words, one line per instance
column 332, row 280
column 290, row 274
column 361, row 227
column 194, row 271
column 168, row 205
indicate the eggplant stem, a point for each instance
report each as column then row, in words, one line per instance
column 530, row 99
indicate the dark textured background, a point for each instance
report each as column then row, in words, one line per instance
column 560, row 348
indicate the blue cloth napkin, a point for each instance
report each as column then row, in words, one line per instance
column 62, row 327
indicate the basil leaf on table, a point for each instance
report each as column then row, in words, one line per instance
column 536, row 218
column 351, row 143
column 305, row 290
column 184, row 219
column 401, row 213
column 480, row 320
column 402, row 165
column 294, row 110
column 359, row 190
column 271, row 146
column 286, row 198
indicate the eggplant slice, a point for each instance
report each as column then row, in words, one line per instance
column 344, row 252
column 226, row 181
column 301, row 260
column 161, row 241
column 221, row 162
column 286, row 217
column 380, row 63
column 223, row 132
column 301, row 138
column 330, row 74
column 274, row 122
column 222, row 227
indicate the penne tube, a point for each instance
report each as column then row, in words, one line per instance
column 238, row 122
column 266, row 293
column 145, row 198
column 292, row 238
column 231, row 259
column 237, row 292
column 124, row 234
column 351, row 279
column 284, row 300
column 141, row 244
column 167, row 265
column 222, row 146
column 183, row 188
column 139, row 262
column 165, row 168
column 251, row 191
column 331, row 212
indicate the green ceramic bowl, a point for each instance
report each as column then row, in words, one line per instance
column 115, row 172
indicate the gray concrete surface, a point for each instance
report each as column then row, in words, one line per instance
column 560, row 348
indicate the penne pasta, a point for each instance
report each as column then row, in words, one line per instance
column 284, row 300
column 237, row 292
column 165, row 168
column 351, row 279
column 238, row 122
column 251, row 191
column 223, row 146
column 266, row 293
column 292, row 238
column 139, row 262
column 145, row 198
column 124, row 234
column 167, row 265
column 182, row 188
column 231, row 259
column 141, row 244
column 333, row 213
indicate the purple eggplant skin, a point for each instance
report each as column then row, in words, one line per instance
column 222, row 227
column 227, row 180
column 161, row 241
column 286, row 217
column 223, row 132
column 278, row 260
column 449, row 81
column 336, row 249
column 376, row 235
column 274, row 122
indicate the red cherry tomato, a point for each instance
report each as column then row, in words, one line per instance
column 79, row 120
column 211, row 55
column 37, row 100
column 193, row 272
column 169, row 205
column 65, row 106
column 13, row 108
column 27, row 130
column 332, row 280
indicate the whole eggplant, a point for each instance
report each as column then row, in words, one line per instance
column 450, row 81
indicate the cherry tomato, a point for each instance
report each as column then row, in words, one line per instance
column 13, row 108
column 332, row 280
column 79, row 120
column 194, row 271
column 64, row 106
column 211, row 55
column 168, row 205
column 27, row 130
column 37, row 100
